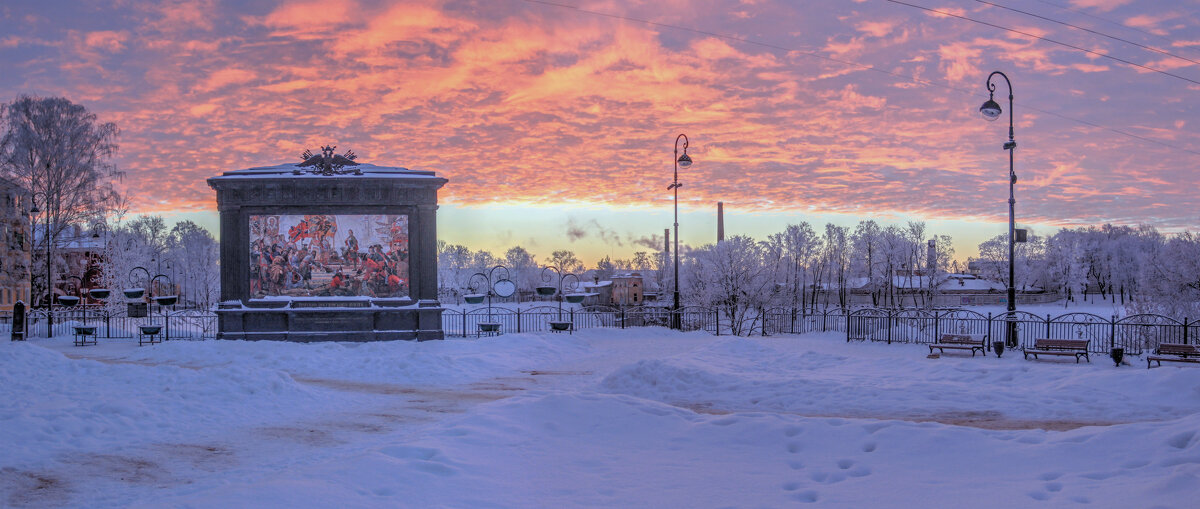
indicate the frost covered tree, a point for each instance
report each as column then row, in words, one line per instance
column 1171, row 280
column 523, row 265
column 604, row 269
column 193, row 257
column 566, row 261
column 865, row 261
column 735, row 276
column 796, row 244
column 58, row 150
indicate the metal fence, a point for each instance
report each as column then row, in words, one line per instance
column 467, row 323
column 1136, row 333
column 184, row 324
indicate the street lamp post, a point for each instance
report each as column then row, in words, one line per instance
column 49, row 281
column 991, row 111
column 684, row 161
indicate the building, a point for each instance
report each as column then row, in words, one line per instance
column 627, row 289
column 77, row 253
column 597, row 292
column 14, row 244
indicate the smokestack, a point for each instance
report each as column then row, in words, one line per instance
column 720, row 221
column 667, row 236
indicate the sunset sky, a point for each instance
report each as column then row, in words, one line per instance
column 555, row 121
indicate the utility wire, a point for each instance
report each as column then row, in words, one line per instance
column 905, row 77
column 1049, row 40
column 1088, row 30
column 738, row 39
column 1106, row 20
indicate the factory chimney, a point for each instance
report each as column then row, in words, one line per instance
column 720, row 221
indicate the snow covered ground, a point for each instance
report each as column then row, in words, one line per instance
column 613, row 418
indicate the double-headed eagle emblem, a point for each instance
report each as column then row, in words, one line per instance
column 327, row 163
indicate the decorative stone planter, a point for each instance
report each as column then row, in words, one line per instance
column 489, row 327
column 134, row 293
column 150, row 329
column 546, row 291
column 560, row 326
column 475, row 298
column 99, row 293
column 68, row 300
column 575, row 298
column 167, row 300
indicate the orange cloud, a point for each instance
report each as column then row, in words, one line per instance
column 522, row 102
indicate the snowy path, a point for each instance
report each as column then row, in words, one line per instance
column 601, row 418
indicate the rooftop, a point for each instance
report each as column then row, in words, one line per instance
column 289, row 170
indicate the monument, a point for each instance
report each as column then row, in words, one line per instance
column 328, row 249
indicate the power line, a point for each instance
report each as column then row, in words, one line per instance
column 1047, row 39
column 905, row 77
column 1088, row 30
column 735, row 38
column 1106, row 20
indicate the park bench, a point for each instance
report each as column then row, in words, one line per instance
column 82, row 333
column 1174, row 352
column 970, row 342
column 1076, row 347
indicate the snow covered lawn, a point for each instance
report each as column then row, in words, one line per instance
column 615, row 418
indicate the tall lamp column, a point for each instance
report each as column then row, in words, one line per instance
column 991, row 111
column 49, row 280
column 680, row 161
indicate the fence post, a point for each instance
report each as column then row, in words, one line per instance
column 1112, row 334
column 717, row 320
column 622, row 311
column 847, row 325
column 464, row 320
column 762, row 313
column 518, row 319
column 793, row 321
column 1185, row 326
column 936, row 326
column 889, row 327
column 825, row 315
column 988, row 344
column 571, row 315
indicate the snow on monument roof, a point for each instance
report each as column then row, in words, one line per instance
column 289, row 170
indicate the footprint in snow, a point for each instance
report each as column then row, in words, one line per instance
column 1039, row 495
column 807, row 496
